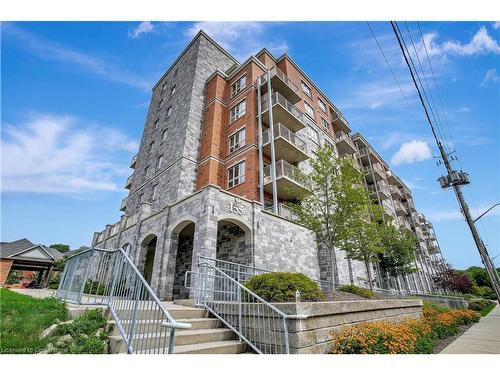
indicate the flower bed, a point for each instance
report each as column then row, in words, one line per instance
column 411, row 336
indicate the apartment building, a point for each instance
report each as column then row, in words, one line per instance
column 222, row 148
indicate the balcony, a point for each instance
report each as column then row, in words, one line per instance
column 410, row 207
column 383, row 190
column 281, row 83
column 345, row 144
column 339, row 123
column 287, row 181
column 432, row 247
column 419, row 233
column 133, row 161
column 374, row 172
column 387, row 209
column 129, row 183
column 404, row 224
column 400, row 209
column 284, row 211
column 283, row 112
column 287, row 145
column 396, row 192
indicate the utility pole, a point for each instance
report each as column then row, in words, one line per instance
column 455, row 179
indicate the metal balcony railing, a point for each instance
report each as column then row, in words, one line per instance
column 364, row 151
column 281, row 130
column 284, row 169
column 275, row 71
column 278, row 99
column 382, row 188
column 338, row 117
column 128, row 183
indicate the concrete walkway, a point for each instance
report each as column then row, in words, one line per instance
column 36, row 293
column 481, row 338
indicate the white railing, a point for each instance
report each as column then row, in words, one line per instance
column 108, row 277
column 283, row 169
column 277, row 98
column 281, row 130
column 275, row 71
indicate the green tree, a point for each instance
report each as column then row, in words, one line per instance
column 337, row 201
column 365, row 239
column 479, row 276
column 63, row 248
column 398, row 257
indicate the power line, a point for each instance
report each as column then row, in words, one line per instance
column 432, row 104
column 393, row 74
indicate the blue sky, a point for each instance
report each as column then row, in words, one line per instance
column 75, row 97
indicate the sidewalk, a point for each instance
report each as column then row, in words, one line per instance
column 481, row 338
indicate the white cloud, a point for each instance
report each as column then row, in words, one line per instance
column 491, row 76
column 49, row 50
column 411, row 152
column 496, row 25
column 480, row 44
column 143, row 28
column 61, row 154
column 242, row 39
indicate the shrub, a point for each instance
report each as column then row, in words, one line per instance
column 94, row 287
column 415, row 336
column 362, row 292
column 281, row 287
column 478, row 304
column 86, row 324
column 484, row 291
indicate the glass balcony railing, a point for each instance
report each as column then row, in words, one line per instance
column 281, row 130
column 288, row 181
column 283, row 111
column 276, row 72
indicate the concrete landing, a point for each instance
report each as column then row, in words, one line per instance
column 482, row 338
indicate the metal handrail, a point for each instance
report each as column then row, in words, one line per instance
column 110, row 278
column 257, row 322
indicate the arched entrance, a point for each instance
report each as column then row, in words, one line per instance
column 182, row 238
column 234, row 242
column 148, row 251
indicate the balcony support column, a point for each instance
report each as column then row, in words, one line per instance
column 271, row 140
column 261, row 158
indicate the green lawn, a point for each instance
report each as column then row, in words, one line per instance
column 23, row 318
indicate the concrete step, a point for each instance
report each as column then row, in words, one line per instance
column 182, row 337
column 216, row 347
column 150, row 325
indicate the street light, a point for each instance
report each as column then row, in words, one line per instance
column 485, row 212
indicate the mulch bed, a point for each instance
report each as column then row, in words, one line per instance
column 443, row 343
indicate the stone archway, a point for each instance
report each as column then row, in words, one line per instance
column 234, row 242
column 146, row 261
column 183, row 259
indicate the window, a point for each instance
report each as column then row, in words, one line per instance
column 236, row 175
column 151, row 146
column 172, row 91
column 239, row 85
column 169, row 112
column 155, row 124
column 159, row 162
column 146, row 172
column 164, row 87
column 175, row 72
column 326, row 124
column 306, row 89
column 160, row 104
column 164, row 135
column 309, row 109
column 237, row 140
column 321, row 105
column 238, row 111
column 141, row 198
column 313, row 134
